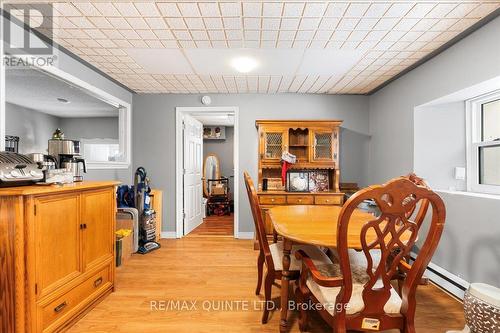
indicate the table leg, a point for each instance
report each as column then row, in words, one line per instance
column 285, row 282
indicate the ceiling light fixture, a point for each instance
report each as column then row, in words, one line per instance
column 63, row 100
column 244, row 64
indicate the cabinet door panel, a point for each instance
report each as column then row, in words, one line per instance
column 97, row 218
column 57, row 238
column 324, row 146
column 274, row 142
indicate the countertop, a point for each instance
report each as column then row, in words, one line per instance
column 46, row 189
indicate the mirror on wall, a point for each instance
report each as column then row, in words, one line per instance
column 38, row 103
column 211, row 170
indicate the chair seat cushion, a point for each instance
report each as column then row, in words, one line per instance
column 317, row 256
column 327, row 296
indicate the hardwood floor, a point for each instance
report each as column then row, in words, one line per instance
column 208, row 271
column 215, row 226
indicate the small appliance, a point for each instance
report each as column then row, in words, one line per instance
column 17, row 169
column 75, row 165
column 47, row 162
column 67, row 155
column 147, row 216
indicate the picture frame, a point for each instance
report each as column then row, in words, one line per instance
column 319, row 181
column 297, row 181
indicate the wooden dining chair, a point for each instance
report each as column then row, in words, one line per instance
column 272, row 254
column 362, row 298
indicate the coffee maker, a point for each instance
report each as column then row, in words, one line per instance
column 67, row 154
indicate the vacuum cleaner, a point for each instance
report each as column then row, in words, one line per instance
column 147, row 216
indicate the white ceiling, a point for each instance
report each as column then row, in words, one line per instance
column 334, row 47
column 215, row 119
column 35, row 90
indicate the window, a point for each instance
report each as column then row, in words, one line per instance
column 483, row 136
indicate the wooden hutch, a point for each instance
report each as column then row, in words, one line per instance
column 315, row 143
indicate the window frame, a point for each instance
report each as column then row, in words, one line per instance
column 473, row 113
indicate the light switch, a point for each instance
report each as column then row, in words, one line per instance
column 459, row 173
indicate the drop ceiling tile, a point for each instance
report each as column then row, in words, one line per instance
column 209, row 9
column 336, row 9
column 462, row 10
column 182, row 34
column 203, row 44
column 252, row 44
column 199, row 35
column 272, row 9
column 348, row 23
column 81, row 22
column 398, row 9
column 252, row 9
column 358, row 35
column 106, row 43
column 377, row 10
column 213, row 23
column 234, row 34
column 441, row 10
column 129, row 34
column 322, row 35
column 483, row 10
column 428, row 36
column 366, row 23
column 269, row 35
column 271, row 23
column 406, row 24
column 267, row 44
column 126, row 9
column 293, row 9
column 309, row 23
column 300, row 44
column 375, row 35
column 146, row 34
column 119, row 23
column 100, row 22
column 443, row 24
column 169, row 44
column 287, row 35
column 176, row 23
column 66, row 9
column 318, row 44
column 194, row 23
column 340, row 35
column 304, row 35
column 411, row 36
column 394, row 36
column 122, row 43
column 187, row 44
column 284, row 44
column 420, row 10
column 106, row 8
column 87, row 8
column 252, row 35
column 95, row 33
column 189, row 9
column 232, row 23
column 290, row 23
column 147, row 9
column 230, row 9
column 169, row 9
column 217, row 35
column 356, row 9
column 137, row 23
column 163, row 34
column 252, row 23
column 425, row 24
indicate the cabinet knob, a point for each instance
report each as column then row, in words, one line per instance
column 60, row 307
column 98, row 282
column 272, row 200
column 327, row 200
column 300, row 200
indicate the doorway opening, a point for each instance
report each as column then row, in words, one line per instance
column 207, row 171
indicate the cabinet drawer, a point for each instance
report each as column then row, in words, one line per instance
column 72, row 301
column 272, row 199
column 300, row 199
column 328, row 200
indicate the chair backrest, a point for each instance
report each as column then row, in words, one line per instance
column 422, row 204
column 394, row 235
column 257, row 218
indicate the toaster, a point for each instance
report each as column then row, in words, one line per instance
column 17, row 169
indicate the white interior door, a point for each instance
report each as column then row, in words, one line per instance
column 193, row 154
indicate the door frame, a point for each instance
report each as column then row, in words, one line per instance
column 179, row 158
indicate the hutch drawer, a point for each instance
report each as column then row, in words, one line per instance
column 272, row 199
column 300, row 199
column 328, row 199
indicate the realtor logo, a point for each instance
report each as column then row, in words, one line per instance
column 19, row 20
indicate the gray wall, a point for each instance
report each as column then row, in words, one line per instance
column 90, row 128
column 224, row 149
column 154, row 135
column 440, row 145
column 470, row 219
column 32, row 127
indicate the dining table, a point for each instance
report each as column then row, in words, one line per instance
column 312, row 225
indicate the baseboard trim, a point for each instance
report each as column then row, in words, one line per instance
column 246, row 235
column 168, row 234
column 450, row 282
